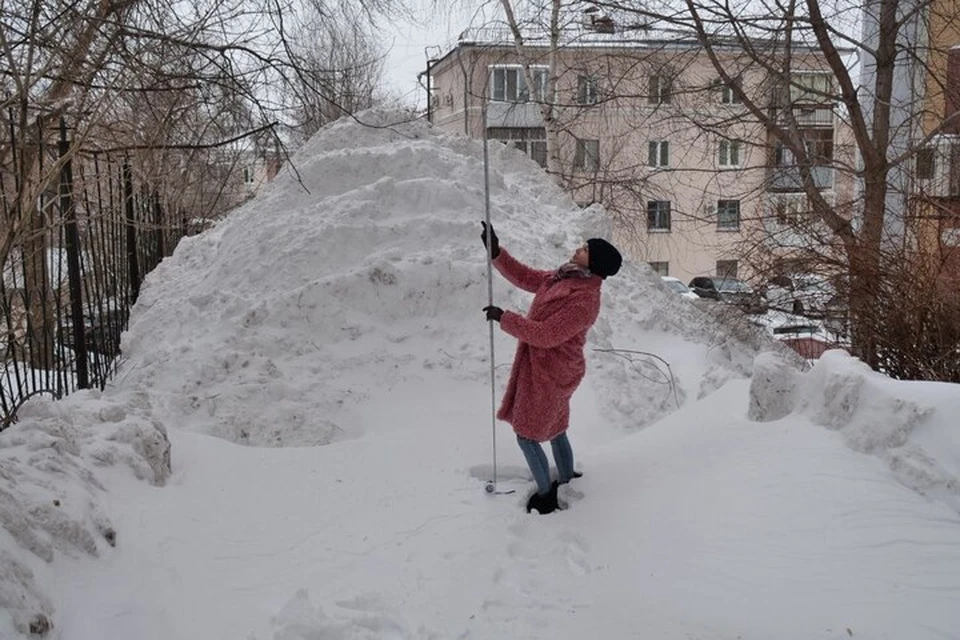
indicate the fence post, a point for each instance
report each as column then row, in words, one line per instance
column 133, row 262
column 72, row 244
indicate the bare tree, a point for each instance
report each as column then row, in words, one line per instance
column 178, row 86
column 584, row 86
column 861, row 234
column 830, row 108
column 340, row 69
column 543, row 95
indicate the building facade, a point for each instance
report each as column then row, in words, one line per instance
column 644, row 125
column 934, row 176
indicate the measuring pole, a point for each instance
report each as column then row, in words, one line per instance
column 486, row 209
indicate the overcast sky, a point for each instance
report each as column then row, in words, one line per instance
column 411, row 39
column 437, row 31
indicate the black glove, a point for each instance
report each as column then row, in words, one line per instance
column 494, row 313
column 495, row 243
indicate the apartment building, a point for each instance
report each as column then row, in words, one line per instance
column 645, row 126
column 935, row 175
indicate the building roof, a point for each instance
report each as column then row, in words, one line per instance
column 647, row 36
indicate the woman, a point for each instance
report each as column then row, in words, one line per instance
column 549, row 362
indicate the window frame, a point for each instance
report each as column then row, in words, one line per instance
column 789, row 210
column 582, row 153
column 657, row 210
column 727, row 94
column 926, row 164
column 803, row 90
column 587, row 94
column 521, row 93
column 659, row 88
column 532, row 141
column 656, row 150
column 724, row 205
column 726, row 149
column 818, row 145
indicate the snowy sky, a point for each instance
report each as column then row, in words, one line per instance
column 320, row 365
column 428, row 31
column 434, row 31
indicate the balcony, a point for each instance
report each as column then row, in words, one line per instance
column 937, row 168
column 787, row 178
column 807, row 116
column 513, row 114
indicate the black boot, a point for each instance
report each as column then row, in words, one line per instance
column 535, row 502
column 544, row 504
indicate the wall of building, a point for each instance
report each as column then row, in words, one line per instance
column 942, row 52
column 624, row 123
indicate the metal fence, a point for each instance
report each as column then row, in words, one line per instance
column 73, row 257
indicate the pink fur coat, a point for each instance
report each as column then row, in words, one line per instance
column 549, row 362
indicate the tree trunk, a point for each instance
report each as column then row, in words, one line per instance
column 546, row 103
column 37, row 294
column 865, row 268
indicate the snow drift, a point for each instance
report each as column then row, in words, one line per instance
column 904, row 424
column 51, row 494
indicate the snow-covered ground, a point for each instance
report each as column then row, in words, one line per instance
column 318, row 366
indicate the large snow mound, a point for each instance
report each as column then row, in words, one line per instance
column 371, row 240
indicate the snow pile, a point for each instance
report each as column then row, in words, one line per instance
column 895, row 421
column 50, row 496
column 378, row 226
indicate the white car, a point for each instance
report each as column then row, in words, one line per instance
column 677, row 285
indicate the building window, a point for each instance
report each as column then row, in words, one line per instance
column 728, row 95
column 728, row 215
column 248, row 175
column 727, row 268
column 811, row 88
column 953, row 171
column 660, row 268
column 660, row 88
column 925, row 164
column 586, row 90
column 658, row 153
column 789, row 210
column 531, row 140
column 658, row 215
column 818, row 144
column 508, row 84
column 729, row 153
column 587, row 155
column 782, row 156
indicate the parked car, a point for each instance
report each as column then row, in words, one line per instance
column 729, row 290
column 676, row 284
column 805, row 294
column 808, row 337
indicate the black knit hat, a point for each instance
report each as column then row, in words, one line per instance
column 605, row 260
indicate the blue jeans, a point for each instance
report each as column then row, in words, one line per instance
column 537, row 460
